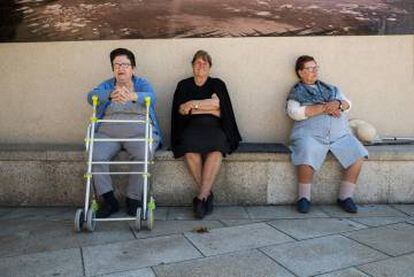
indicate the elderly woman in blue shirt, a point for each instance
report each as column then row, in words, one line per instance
column 321, row 125
column 122, row 97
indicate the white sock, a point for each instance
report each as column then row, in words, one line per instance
column 304, row 190
column 346, row 190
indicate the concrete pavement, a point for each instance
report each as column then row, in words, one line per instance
column 241, row 241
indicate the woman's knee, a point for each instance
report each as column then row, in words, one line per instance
column 215, row 155
column 192, row 156
column 356, row 164
column 304, row 173
column 359, row 161
column 305, row 168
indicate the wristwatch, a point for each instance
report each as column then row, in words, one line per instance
column 341, row 106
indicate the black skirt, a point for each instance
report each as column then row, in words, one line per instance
column 202, row 134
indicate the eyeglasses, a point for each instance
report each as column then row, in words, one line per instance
column 201, row 64
column 122, row 65
column 312, row 68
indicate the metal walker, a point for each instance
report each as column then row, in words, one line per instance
column 86, row 217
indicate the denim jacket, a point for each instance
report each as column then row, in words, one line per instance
column 143, row 89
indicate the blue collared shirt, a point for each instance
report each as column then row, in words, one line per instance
column 143, row 89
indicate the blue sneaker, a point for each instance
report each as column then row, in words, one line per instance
column 303, row 205
column 348, row 205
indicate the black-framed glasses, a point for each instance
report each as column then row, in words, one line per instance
column 122, row 65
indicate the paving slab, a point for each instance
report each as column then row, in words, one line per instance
column 24, row 237
column 67, row 262
column 402, row 266
column 145, row 272
column 223, row 240
column 396, row 239
column 162, row 228
column 274, row 212
column 39, row 213
column 137, row 254
column 179, row 213
column 363, row 211
column 246, row 263
column 322, row 255
column 408, row 209
column 108, row 232
column 314, row 227
column 5, row 211
column 237, row 212
column 349, row 272
column 237, row 222
column 23, row 228
column 376, row 221
column 161, row 213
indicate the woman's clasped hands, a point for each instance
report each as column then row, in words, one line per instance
column 122, row 95
column 331, row 108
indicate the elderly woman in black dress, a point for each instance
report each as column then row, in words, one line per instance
column 203, row 128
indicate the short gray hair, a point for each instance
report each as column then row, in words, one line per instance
column 201, row 54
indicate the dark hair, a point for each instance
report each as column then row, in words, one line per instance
column 201, row 54
column 300, row 62
column 122, row 52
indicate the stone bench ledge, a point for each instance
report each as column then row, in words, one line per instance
column 42, row 152
column 246, row 152
column 53, row 175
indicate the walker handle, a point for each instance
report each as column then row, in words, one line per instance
column 147, row 101
column 95, row 100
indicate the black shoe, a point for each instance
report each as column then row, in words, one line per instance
column 199, row 207
column 132, row 205
column 209, row 204
column 303, row 205
column 195, row 204
column 109, row 205
column 348, row 205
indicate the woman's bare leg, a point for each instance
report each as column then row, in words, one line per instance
column 305, row 177
column 351, row 174
column 347, row 187
column 195, row 164
column 210, row 170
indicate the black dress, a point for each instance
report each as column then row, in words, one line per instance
column 203, row 133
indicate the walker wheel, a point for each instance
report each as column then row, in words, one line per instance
column 78, row 222
column 138, row 220
column 90, row 220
